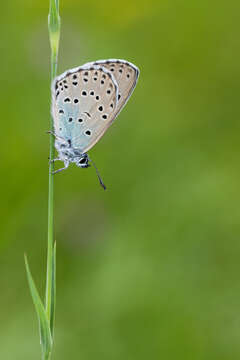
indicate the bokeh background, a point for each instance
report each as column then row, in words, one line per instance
column 151, row 267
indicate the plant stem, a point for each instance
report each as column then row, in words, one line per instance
column 46, row 313
column 54, row 35
column 46, row 356
column 49, row 283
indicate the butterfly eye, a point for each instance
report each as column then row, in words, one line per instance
column 83, row 161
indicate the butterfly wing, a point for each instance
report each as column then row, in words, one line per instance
column 126, row 75
column 83, row 103
column 86, row 100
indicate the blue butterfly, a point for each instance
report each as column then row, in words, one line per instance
column 85, row 102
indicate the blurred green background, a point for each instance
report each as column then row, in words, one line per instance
column 151, row 267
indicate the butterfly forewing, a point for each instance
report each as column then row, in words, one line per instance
column 126, row 76
column 84, row 103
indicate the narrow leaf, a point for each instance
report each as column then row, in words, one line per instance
column 45, row 334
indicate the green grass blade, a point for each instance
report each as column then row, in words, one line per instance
column 45, row 334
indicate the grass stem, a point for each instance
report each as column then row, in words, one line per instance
column 54, row 36
column 46, row 314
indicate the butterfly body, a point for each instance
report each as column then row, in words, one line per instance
column 85, row 102
column 68, row 154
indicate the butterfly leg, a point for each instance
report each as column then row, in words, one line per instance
column 66, row 164
column 53, row 160
column 57, row 137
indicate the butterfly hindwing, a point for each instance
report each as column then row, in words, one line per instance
column 84, row 101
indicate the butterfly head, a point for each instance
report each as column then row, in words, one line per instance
column 82, row 161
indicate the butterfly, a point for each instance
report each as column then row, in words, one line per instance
column 85, row 102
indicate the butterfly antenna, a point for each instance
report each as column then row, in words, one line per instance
column 98, row 175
